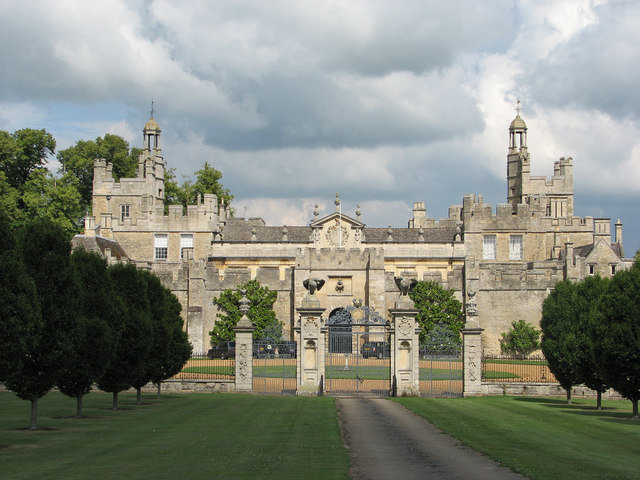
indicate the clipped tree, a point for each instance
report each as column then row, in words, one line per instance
column 178, row 348
column 617, row 339
column 135, row 334
column 98, row 317
column 560, row 344
column 20, row 319
column 437, row 307
column 261, row 313
column 521, row 339
column 46, row 255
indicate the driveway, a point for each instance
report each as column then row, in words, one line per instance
column 386, row 441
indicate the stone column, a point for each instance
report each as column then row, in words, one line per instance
column 472, row 351
column 405, row 348
column 310, row 357
column 244, row 349
column 310, row 347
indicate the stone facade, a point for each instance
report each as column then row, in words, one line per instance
column 509, row 258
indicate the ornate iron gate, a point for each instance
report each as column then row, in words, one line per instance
column 358, row 353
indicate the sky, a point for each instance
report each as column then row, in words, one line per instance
column 385, row 102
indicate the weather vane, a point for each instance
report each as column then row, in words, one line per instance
column 518, row 107
column 152, row 108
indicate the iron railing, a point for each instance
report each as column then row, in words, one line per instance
column 516, row 369
column 201, row 367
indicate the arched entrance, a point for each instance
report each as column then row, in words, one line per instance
column 358, row 352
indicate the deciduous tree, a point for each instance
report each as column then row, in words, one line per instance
column 260, row 313
column 437, row 306
column 521, row 339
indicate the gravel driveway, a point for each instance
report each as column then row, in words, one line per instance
column 386, row 441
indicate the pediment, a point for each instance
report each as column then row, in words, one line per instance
column 602, row 252
column 346, row 220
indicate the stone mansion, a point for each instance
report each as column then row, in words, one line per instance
column 508, row 258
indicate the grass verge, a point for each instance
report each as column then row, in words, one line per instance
column 179, row 436
column 542, row 438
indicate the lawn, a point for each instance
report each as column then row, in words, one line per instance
column 179, row 436
column 543, row 438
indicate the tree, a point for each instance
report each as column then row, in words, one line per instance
column 261, row 313
column 521, row 339
column 617, row 340
column 23, row 152
column 20, row 319
column 437, row 306
column 46, row 255
column 135, row 335
column 96, row 339
column 178, row 349
column 78, row 160
column 55, row 199
column 560, row 344
column 207, row 181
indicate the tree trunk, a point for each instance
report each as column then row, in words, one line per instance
column 569, row 396
column 159, row 389
column 34, row 413
column 79, row 406
column 599, row 401
column 635, row 408
column 115, row 401
column 138, row 395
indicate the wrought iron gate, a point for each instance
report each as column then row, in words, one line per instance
column 358, row 353
column 441, row 372
column 274, row 367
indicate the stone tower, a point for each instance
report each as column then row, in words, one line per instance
column 518, row 162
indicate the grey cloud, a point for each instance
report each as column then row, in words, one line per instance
column 598, row 68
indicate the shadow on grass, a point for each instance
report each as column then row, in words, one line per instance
column 544, row 400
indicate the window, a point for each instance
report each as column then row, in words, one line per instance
column 489, row 247
column 186, row 241
column 591, row 269
column 124, row 212
column 613, row 269
column 515, row 247
column 161, row 245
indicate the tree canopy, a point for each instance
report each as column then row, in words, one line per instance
column 261, row 313
column 521, row 339
column 208, row 180
column 617, row 339
column 437, row 307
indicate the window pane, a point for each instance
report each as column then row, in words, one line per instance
column 489, row 247
column 515, row 247
column 186, row 240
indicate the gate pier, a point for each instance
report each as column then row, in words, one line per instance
column 310, row 357
column 405, row 351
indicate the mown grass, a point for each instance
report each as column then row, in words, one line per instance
column 542, row 438
column 179, row 436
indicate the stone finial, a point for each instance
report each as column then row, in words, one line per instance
column 284, row 234
column 337, row 202
column 243, row 305
column 254, row 237
column 389, row 234
column 421, row 234
column 316, row 212
column 405, row 285
column 358, row 212
column 313, row 285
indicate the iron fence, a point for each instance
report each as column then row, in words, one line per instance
column 441, row 372
column 516, row 369
column 274, row 367
column 201, row 367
